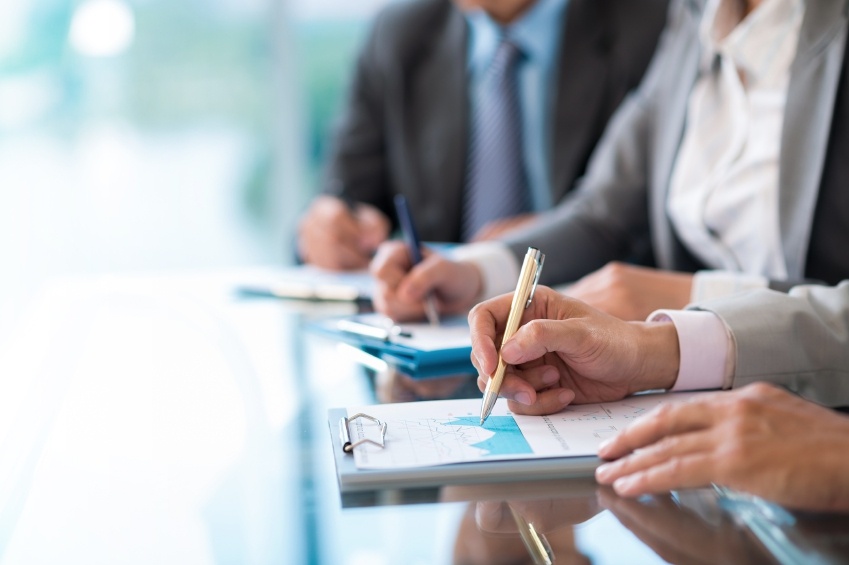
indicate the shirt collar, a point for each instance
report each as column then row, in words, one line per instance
column 536, row 33
column 757, row 44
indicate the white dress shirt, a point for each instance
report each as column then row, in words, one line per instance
column 723, row 196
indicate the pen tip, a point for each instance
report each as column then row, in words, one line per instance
column 482, row 419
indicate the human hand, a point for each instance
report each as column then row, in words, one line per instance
column 630, row 292
column 394, row 386
column 332, row 236
column 759, row 439
column 546, row 514
column 501, row 530
column 497, row 228
column 679, row 534
column 401, row 288
column 569, row 352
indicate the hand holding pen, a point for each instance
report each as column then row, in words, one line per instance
column 524, row 293
column 411, row 239
column 400, row 289
column 567, row 351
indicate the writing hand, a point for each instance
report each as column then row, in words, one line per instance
column 333, row 236
column 567, row 352
column 401, row 288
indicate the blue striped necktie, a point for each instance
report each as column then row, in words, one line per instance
column 496, row 184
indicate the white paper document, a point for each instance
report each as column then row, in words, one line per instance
column 442, row 432
column 307, row 282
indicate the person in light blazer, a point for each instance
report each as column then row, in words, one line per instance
column 760, row 200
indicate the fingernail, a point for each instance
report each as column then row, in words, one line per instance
column 623, row 485
column 602, row 472
column 510, row 349
column 550, row 376
column 565, row 397
column 605, row 444
column 484, row 511
column 523, row 398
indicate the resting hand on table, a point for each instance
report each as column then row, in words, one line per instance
column 759, row 439
column 679, row 534
column 401, row 288
column 333, row 236
column 631, row 292
column 567, row 352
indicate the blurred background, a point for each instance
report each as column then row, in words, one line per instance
column 162, row 135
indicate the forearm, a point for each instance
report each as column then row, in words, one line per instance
column 800, row 340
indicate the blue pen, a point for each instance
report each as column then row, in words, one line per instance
column 411, row 238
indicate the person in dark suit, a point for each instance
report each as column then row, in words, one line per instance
column 409, row 119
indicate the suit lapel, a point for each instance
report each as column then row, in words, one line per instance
column 582, row 54
column 671, row 111
column 439, row 125
column 814, row 76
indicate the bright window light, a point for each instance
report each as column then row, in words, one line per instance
column 102, row 28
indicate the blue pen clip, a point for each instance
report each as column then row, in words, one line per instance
column 539, row 258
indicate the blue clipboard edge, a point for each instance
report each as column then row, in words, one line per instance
column 413, row 359
column 352, row 479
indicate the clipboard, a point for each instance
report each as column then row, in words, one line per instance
column 412, row 348
column 440, row 442
column 352, row 479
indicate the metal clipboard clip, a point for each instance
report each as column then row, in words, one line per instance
column 367, row 330
column 539, row 258
column 345, row 434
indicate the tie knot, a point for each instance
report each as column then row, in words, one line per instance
column 506, row 56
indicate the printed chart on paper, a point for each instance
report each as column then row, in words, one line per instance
column 421, row 434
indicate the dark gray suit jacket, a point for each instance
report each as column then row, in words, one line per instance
column 621, row 202
column 405, row 127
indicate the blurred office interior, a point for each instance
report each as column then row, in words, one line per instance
column 161, row 135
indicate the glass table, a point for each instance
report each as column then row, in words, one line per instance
column 162, row 419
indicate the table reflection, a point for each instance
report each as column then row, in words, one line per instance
column 392, row 385
column 160, row 420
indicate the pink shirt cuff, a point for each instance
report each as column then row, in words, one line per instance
column 704, row 344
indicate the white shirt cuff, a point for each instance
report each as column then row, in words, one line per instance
column 704, row 343
column 498, row 266
column 708, row 285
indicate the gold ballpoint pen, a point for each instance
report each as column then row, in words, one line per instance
column 528, row 277
column 535, row 542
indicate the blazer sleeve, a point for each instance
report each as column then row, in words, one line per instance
column 799, row 340
column 356, row 167
column 606, row 215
